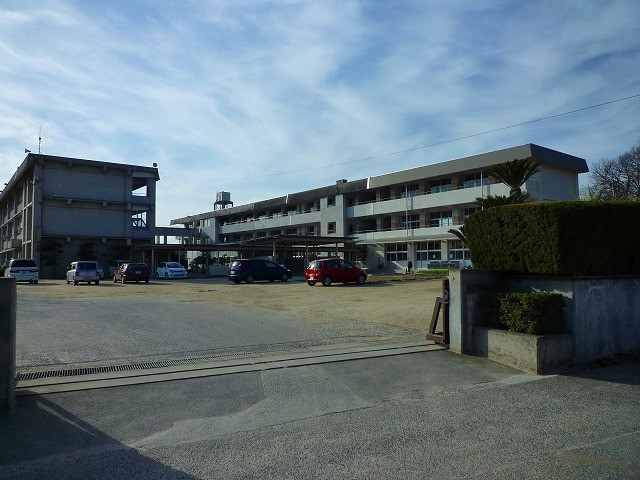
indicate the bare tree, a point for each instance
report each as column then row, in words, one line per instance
column 619, row 178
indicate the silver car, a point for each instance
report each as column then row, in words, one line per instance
column 83, row 272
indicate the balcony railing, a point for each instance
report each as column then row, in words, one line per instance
column 453, row 224
column 429, row 191
column 267, row 217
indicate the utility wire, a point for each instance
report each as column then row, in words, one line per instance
column 420, row 147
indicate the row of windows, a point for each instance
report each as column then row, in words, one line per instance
column 426, row 251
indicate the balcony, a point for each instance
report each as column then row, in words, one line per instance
column 426, row 200
column 402, row 234
column 272, row 222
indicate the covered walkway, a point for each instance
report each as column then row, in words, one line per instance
column 292, row 250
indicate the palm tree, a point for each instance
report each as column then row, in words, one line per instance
column 515, row 173
column 499, row 200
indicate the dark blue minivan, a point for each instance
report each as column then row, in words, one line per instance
column 251, row 270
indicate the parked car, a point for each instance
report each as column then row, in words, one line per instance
column 83, row 271
column 329, row 270
column 250, row 270
column 132, row 272
column 22, row 269
column 115, row 265
column 169, row 270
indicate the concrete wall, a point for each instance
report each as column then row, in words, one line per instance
column 8, row 301
column 602, row 313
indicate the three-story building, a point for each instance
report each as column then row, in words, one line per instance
column 396, row 218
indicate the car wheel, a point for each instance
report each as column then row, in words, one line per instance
column 97, row 282
column 146, row 281
column 89, row 282
column 360, row 280
column 285, row 278
column 122, row 280
column 271, row 280
column 68, row 282
column 326, row 281
column 236, row 282
column 35, row 281
column 75, row 282
column 311, row 283
column 249, row 279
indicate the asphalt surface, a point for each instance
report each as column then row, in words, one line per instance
column 432, row 414
column 427, row 415
column 53, row 331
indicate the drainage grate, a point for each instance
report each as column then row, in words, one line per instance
column 220, row 355
column 90, row 370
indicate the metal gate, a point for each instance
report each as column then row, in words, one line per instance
column 441, row 306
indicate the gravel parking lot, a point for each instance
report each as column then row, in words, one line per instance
column 60, row 323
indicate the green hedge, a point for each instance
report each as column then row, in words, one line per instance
column 531, row 312
column 557, row 238
column 427, row 273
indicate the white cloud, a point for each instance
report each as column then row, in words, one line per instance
column 220, row 93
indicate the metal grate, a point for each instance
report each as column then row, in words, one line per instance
column 220, row 355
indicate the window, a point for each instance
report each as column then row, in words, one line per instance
column 472, row 180
column 396, row 251
column 140, row 220
column 429, row 251
column 457, row 251
column 441, row 219
column 410, row 191
column 331, row 201
column 468, row 211
column 440, row 185
column 291, row 231
column 331, row 227
column 410, row 221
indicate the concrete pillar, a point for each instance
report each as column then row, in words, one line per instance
column 8, row 305
column 465, row 286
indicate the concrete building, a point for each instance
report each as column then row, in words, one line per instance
column 394, row 218
column 58, row 209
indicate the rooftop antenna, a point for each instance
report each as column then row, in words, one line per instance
column 39, row 141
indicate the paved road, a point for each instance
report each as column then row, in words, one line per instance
column 428, row 415
column 71, row 331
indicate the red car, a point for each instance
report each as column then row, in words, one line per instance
column 329, row 270
column 132, row 272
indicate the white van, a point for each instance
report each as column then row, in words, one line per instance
column 22, row 269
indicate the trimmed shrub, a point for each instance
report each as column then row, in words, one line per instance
column 434, row 272
column 536, row 313
column 557, row 238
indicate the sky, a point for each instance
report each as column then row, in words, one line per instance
column 262, row 98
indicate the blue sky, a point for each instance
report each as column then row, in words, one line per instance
column 264, row 98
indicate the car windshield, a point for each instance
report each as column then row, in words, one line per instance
column 173, row 265
column 87, row 266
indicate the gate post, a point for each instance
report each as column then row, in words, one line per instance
column 442, row 305
column 8, row 302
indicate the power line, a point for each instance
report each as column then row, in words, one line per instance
column 420, row 147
